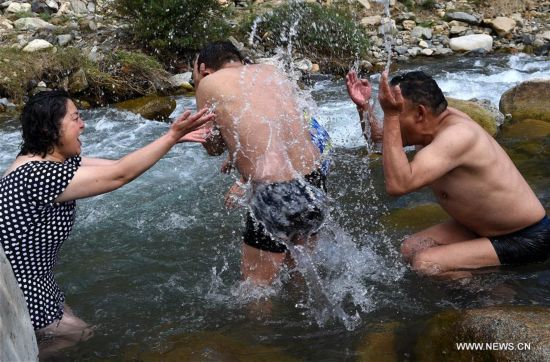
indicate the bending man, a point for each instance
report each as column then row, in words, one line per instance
column 495, row 216
column 268, row 138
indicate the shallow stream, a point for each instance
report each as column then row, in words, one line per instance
column 156, row 264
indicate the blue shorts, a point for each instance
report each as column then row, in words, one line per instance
column 284, row 210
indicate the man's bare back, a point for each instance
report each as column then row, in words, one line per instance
column 262, row 125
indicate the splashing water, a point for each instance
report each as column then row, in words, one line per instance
column 386, row 28
column 318, row 294
column 254, row 29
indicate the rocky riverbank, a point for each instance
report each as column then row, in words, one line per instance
column 92, row 36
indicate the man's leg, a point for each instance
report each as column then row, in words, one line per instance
column 260, row 266
column 67, row 332
column 443, row 259
column 445, row 233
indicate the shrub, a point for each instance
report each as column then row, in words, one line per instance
column 118, row 76
column 174, row 26
column 428, row 4
column 123, row 75
column 328, row 35
column 21, row 70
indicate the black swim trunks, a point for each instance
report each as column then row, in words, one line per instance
column 283, row 210
column 528, row 245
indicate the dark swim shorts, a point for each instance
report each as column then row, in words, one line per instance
column 528, row 245
column 283, row 210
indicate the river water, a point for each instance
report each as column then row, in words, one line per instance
column 156, row 265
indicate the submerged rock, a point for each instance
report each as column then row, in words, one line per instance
column 526, row 129
column 380, row 344
column 416, row 218
column 508, row 333
column 211, row 346
column 150, row 107
column 528, row 100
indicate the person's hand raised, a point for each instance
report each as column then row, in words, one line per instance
column 390, row 98
column 199, row 135
column 359, row 90
column 188, row 122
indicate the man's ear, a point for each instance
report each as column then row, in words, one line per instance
column 203, row 71
column 421, row 113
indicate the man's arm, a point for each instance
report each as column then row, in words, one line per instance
column 360, row 92
column 376, row 130
column 442, row 155
column 214, row 143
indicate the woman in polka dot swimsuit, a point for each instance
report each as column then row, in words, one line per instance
column 37, row 201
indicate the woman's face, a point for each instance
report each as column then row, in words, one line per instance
column 71, row 128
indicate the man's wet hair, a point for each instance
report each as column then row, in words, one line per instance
column 41, row 122
column 215, row 55
column 420, row 88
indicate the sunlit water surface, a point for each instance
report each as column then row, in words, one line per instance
column 156, row 264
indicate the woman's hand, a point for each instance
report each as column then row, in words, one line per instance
column 198, row 135
column 359, row 90
column 187, row 123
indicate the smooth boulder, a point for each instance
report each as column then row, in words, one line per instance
column 150, row 107
column 485, row 114
column 471, row 42
column 520, row 333
column 527, row 100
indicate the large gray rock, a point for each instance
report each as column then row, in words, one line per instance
column 17, row 339
column 471, row 42
column 64, row 39
column 527, row 100
column 33, row 24
column 37, row 45
column 13, row 8
column 150, row 107
column 465, row 17
column 421, row 32
column 79, row 7
column 501, row 25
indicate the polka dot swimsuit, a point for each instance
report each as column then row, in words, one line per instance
column 32, row 229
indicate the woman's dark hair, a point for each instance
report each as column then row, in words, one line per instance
column 215, row 55
column 41, row 122
column 420, row 88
